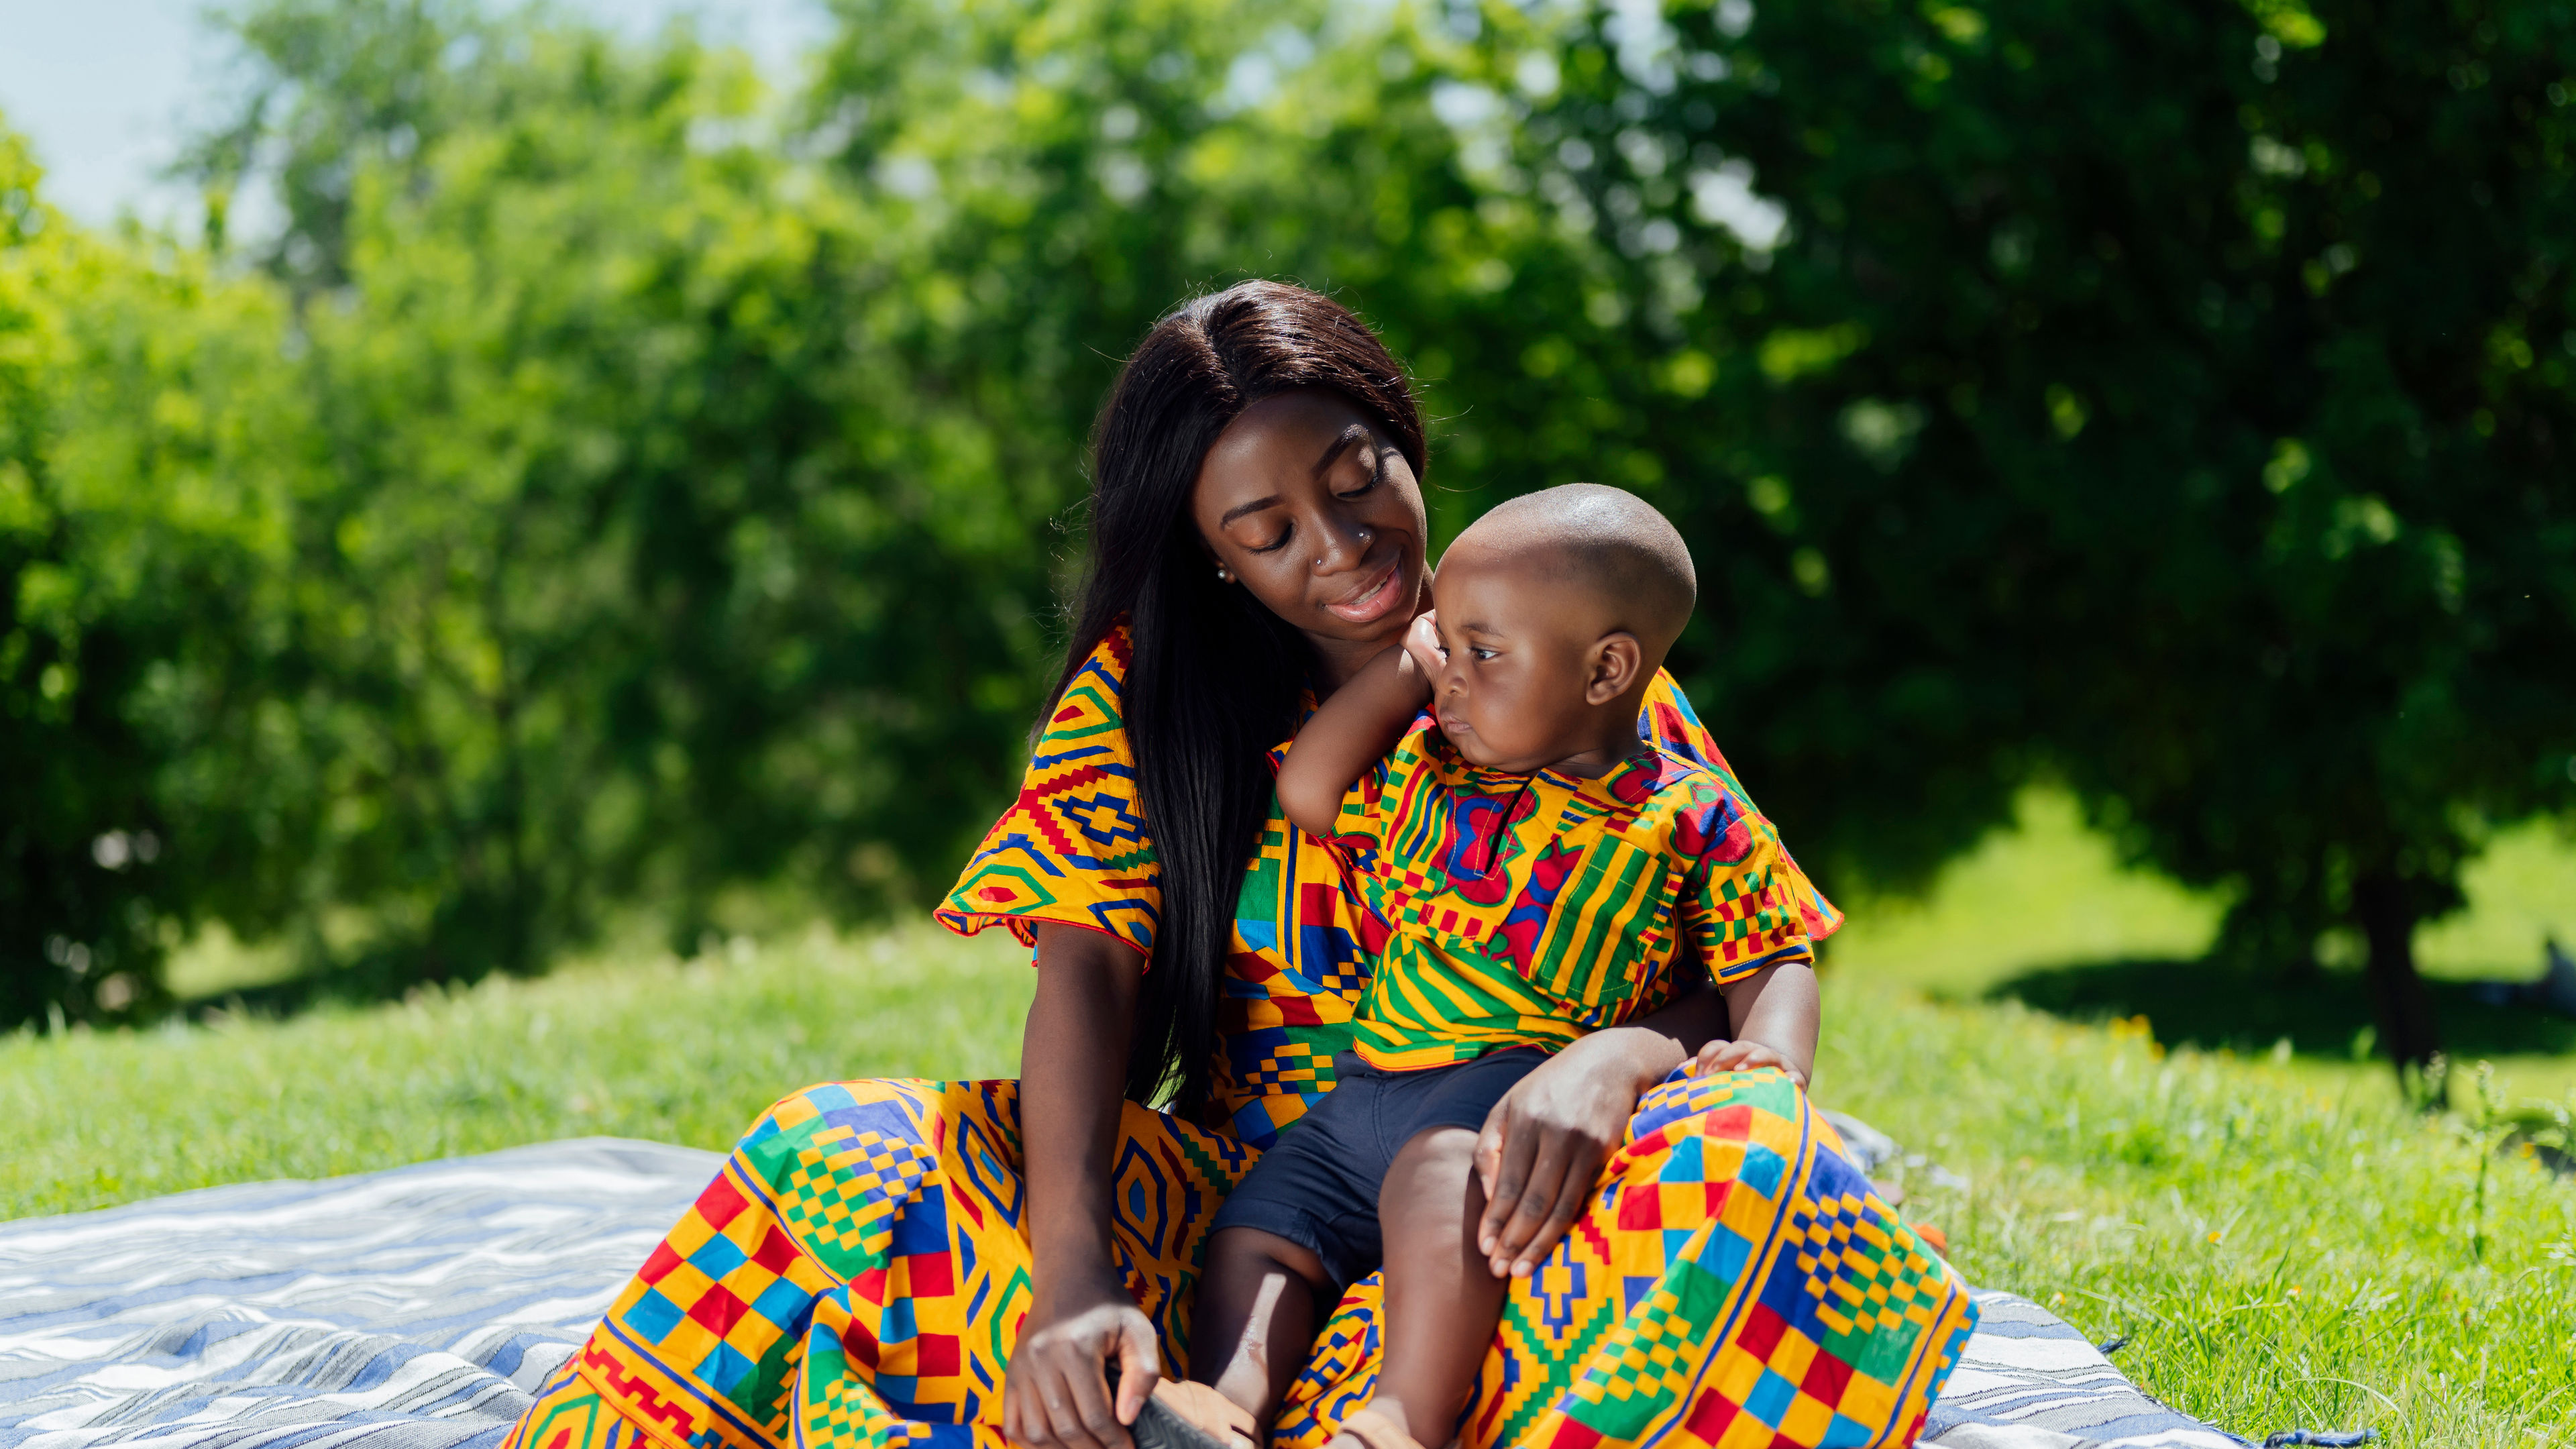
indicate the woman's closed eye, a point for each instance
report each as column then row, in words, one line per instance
column 1376, row 475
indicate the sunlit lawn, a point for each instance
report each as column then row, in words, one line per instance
column 2282, row 1240
column 655, row 1049
column 2043, row 913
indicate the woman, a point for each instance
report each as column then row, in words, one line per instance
column 1692, row 1252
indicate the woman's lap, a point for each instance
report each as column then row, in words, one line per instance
column 855, row 1273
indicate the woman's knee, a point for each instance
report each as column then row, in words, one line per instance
column 817, row 1098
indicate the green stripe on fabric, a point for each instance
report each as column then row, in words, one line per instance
column 1530, row 1342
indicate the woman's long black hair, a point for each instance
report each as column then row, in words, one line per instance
column 1216, row 678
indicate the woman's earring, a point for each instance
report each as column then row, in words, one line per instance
column 1224, row 574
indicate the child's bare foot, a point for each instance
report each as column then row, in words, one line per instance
column 1186, row 1415
column 1367, row 1428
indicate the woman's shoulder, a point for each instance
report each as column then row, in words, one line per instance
column 1109, row 659
column 1089, row 704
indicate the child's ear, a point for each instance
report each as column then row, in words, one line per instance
column 1616, row 662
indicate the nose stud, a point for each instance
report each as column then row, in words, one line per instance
column 1361, row 533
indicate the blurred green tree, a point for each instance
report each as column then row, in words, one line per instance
column 144, row 445
column 573, row 346
column 615, row 482
column 2178, row 395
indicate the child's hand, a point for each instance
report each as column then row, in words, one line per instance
column 1422, row 642
column 1743, row 1056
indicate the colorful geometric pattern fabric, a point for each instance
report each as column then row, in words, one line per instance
column 1073, row 849
column 1528, row 909
column 857, row 1274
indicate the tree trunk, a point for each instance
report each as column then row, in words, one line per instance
column 2385, row 911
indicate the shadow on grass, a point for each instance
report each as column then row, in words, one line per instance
column 2208, row 1005
column 362, row 985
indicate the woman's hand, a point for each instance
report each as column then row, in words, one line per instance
column 1543, row 1144
column 1055, row 1394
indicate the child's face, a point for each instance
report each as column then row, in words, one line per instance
column 1528, row 666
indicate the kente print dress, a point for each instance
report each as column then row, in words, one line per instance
column 858, row 1271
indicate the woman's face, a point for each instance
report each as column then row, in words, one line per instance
column 1307, row 503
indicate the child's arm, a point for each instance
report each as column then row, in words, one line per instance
column 1774, row 1011
column 1362, row 720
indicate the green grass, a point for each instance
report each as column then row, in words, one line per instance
column 2045, row 915
column 2173, row 1196
column 2440, row 1311
column 677, row 1053
column 2283, row 1249
column 2050, row 892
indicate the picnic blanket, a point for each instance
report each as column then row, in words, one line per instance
column 416, row 1308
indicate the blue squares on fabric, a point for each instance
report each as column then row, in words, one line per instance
column 1762, row 1169
column 722, row 1368
column 653, row 1315
column 717, row 1257
column 1726, row 1253
column 895, row 1325
column 886, row 1119
column 922, row 1225
column 783, row 1303
column 1845, row 1433
column 1771, row 1397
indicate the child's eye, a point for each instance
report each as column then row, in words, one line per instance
column 1482, row 654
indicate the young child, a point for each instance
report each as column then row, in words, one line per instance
column 1539, row 872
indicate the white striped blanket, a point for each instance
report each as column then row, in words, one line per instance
column 415, row 1309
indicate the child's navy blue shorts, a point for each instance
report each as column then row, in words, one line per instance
column 1318, row 1188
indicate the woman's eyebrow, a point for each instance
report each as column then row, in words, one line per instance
column 1355, row 433
column 1240, row 509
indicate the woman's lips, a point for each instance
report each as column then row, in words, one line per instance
column 1374, row 603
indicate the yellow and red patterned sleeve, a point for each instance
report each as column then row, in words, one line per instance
column 1668, row 719
column 1073, row 847
column 1738, row 910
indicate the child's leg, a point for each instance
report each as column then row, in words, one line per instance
column 1256, row 1315
column 1442, row 1300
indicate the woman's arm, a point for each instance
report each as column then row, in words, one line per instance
column 1357, row 726
column 1073, row 1069
column 1541, row 1152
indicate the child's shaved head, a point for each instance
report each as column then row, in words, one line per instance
column 1605, row 541
column 1552, row 616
